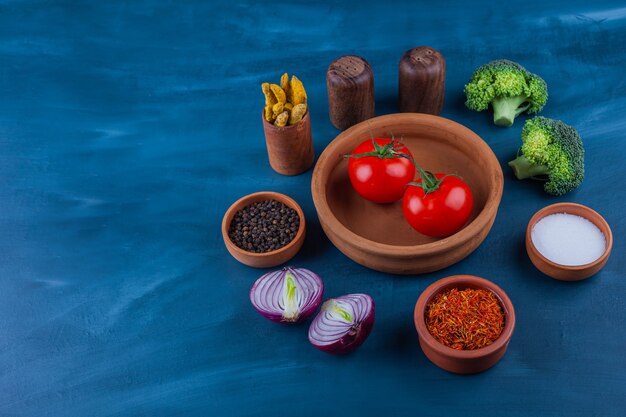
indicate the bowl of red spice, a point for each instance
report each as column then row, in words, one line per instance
column 264, row 229
column 464, row 323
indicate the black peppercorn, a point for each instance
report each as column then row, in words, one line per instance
column 264, row 226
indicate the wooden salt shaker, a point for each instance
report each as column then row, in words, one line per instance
column 289, row 148
column 422, row 80
column 350, row 83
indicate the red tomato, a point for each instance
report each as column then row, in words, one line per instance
column 441, row 212
column 378, row 174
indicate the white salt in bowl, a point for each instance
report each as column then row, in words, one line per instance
column 562, row 272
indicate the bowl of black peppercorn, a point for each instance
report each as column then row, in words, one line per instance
column 264, row 229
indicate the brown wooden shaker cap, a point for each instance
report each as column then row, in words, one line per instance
column 350, row 83
column 422, row 76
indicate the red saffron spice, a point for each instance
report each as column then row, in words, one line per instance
column 465, row 319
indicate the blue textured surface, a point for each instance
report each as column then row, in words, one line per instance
column 128, row 128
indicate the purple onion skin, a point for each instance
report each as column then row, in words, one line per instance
column 312, row 287
column 348, row 344
column 351, row 340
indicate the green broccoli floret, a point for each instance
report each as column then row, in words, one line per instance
column 509, row 88
column 552, row 148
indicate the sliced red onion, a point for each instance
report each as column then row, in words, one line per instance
column 289, row 295
column 343, row 324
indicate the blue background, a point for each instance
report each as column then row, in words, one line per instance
column 128, row 128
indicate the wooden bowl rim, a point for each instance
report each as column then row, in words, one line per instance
column 459, row 281
column 398, row 251
column 590, row 215
column 286, row 127
column 261, row 196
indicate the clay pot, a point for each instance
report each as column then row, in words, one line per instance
column 377, row 235
column 564, row 272
column 463, row 361
column 289, row 148
column 267, row 259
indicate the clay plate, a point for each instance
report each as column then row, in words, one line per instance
column 463, row 361
column 564, row 272
column 377, row 236
column 267, row 259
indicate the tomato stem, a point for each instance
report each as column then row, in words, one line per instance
column 429, row 182
column 433, row 185
column 391, row 150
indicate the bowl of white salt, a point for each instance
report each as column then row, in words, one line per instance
column 568, row 241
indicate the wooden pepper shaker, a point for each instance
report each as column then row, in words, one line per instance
column 422, row 80
column 350, row 83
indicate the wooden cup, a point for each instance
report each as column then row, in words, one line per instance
column 290, row 148
column 350, row 84
column 421, row 84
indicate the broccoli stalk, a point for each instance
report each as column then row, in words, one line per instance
column 509, row 88
column 551, row 149
column 523, row 168
column 506, row 109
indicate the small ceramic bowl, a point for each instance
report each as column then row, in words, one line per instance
column 463, row 361
column 564, row 272
column 267, row 259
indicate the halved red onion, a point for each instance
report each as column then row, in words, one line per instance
column 343, row 324
column 289, row 295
